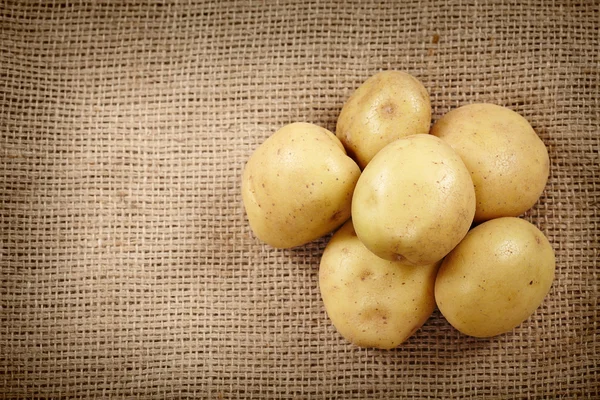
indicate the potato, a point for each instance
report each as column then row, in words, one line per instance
column 373, row 302
column 495, row 278
column 297, row 186
column 508, row 162
column 387, row 106
column 414, row 201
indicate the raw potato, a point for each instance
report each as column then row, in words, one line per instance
column 508, row 161
column 495, row 278
column 414, row 201
column 387, row 106
column 373, row 302
column 297, row 186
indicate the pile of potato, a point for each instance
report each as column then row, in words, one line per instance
column 426, row 215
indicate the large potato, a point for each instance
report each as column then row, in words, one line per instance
column 373, row 302
column 297, row 185
column 495, row 278
column 387, row 106
column 508, row 161
column 414, row 201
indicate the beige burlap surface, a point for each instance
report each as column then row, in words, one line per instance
column 127, row 265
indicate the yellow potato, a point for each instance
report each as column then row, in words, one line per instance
column 373, row 302
column 387, row 106
column 297, row 186
column 414, row 201
column 495, row 278
column 508, row 161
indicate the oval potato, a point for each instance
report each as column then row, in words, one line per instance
column 414, row 201
column 297, row 186
column 495, row 278
column 387, row 106
column 507, row 160
column 373, row 302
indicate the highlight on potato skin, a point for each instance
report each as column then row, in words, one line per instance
column 297, row 185
column 373, row 302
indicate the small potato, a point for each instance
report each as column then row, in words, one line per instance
column 297, row 186
column 387, row 106
column 414, row 202
column 373, row 302
column 495, row 278
column 507, row 160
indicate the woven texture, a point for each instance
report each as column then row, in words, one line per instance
column 128, row 268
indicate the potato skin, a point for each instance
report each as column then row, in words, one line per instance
column 373, row 302
column 414, row 201
column 509, row 163
column 496, row 277
column 297, row 186
column 387, row 106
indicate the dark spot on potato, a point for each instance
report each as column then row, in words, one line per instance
column 365, row 274
column 388, row 109
column 531, row 282
column 399, row 257
column 336, row 215
column 538, row 240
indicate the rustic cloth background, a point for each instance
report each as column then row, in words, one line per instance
column 127, row 265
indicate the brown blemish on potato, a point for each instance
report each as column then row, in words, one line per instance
column 538, row 240
column 376, row 315
column 365, row 274
column 399, row 257
column 336, row 215
column 388, row 109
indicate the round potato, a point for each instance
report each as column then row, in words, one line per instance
column 373, row 302
column 508, row 162
column 387, row 106
column 414, row 201
column 495, row 278
column 297, row 186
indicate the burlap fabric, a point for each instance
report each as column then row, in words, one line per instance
column 127, row 265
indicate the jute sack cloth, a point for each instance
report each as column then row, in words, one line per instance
column 127, row 267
